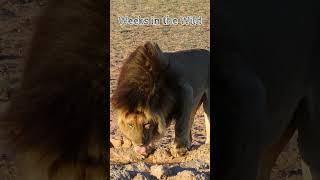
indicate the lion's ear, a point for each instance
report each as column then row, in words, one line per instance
column 159, row 60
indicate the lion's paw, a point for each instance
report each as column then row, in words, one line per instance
column 179, row 152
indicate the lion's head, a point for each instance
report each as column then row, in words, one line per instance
column 136, row 98
column 141, row 127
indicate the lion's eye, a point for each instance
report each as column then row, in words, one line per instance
column 147, row 126
column 130, row 125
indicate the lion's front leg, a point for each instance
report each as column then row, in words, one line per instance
column 182, row 142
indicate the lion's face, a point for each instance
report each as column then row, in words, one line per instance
column 140, row 127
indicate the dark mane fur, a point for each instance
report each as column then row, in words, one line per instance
column 58, row 111
column 138, row 78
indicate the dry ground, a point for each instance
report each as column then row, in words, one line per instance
column 16, row 18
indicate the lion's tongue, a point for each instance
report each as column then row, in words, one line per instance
column 140, row 149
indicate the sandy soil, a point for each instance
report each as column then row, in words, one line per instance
column 16, row 18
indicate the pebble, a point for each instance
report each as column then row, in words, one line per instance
column 196, row 164
column 117, row 173
column 183, row 175
column 131, row 167
column 142, row 166
column 158, row 171
column 140, row 176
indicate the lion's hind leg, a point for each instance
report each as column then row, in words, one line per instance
column 271, row 153
column 206, row 107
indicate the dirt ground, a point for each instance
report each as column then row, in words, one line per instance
column 16, row 19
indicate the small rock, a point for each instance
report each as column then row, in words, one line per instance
column 186, row 175
column 202, row 176
column 131, row 167
column 158, row 171
column 122, row 176
column 140, row 176
column 116, row 142
column 142, row 166
column 162, row 153
column 197, row 164
column 118, row 173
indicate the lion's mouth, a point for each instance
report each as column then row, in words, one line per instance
column 142, row 150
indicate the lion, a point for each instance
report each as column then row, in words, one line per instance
column 155, row 88
column 55, row 119
column 266, row 87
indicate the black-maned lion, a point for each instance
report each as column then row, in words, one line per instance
column 55, row 119
column 266, row 74
column 156, row 87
